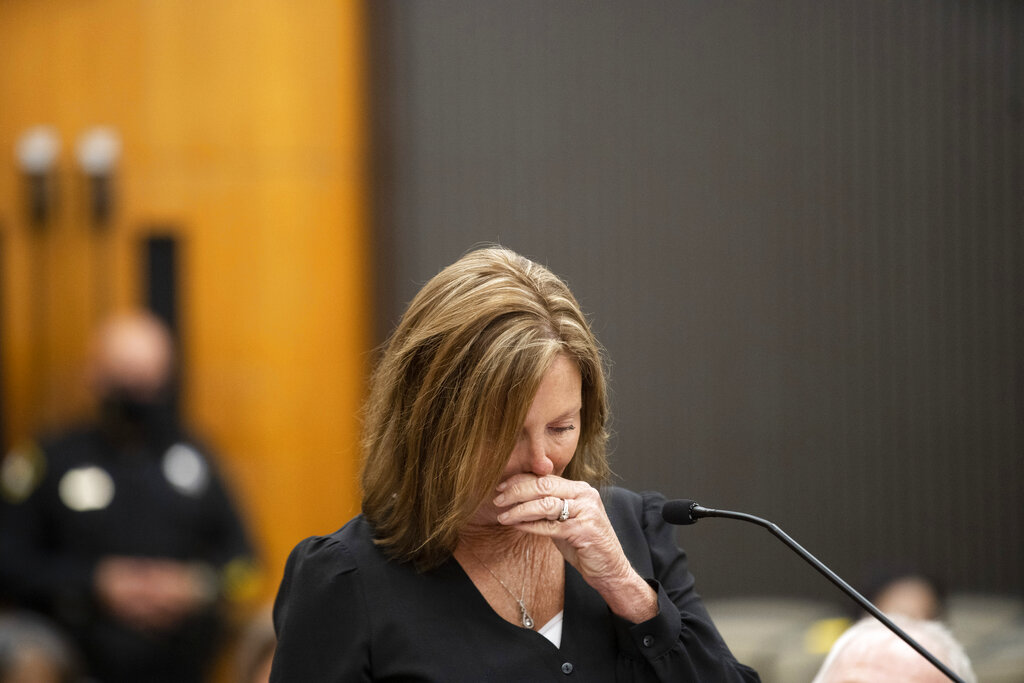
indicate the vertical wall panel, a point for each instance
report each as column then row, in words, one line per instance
column 243, row 131
column 797, row 227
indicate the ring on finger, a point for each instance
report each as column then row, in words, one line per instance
column 565, row 510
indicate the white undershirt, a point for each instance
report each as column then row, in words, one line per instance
column 553, row 629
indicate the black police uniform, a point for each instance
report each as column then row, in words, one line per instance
column 94, row 492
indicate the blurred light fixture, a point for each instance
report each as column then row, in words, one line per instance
column 99, row 149
column 36, row 154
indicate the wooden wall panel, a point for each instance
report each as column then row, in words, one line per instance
column 242, row 127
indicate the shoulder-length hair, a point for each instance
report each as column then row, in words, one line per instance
column 452, row 389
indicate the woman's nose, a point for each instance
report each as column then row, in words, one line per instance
column 537, row 459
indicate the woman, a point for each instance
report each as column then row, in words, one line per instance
column 485, row 552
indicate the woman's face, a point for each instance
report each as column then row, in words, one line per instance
column 548, row 438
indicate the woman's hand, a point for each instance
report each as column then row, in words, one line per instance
column 585, row 538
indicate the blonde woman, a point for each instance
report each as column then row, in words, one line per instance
column 489, row 548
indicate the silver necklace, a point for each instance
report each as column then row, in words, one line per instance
column 523, row 613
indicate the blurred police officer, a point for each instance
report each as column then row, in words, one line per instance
column 121, row 530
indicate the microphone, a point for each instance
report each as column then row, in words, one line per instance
column 684, row 512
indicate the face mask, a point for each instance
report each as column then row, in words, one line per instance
column 120, row 409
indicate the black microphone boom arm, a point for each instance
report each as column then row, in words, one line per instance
column 672, row 515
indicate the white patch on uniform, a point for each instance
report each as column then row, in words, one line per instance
column 86, row 488
column 186, row 470
column 22, row 471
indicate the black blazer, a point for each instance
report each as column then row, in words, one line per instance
column 345, row 612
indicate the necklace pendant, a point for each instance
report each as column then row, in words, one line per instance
column 527, row 619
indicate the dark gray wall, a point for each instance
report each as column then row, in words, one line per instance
column 797, row 227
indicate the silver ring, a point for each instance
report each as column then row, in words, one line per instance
column 565, row 511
